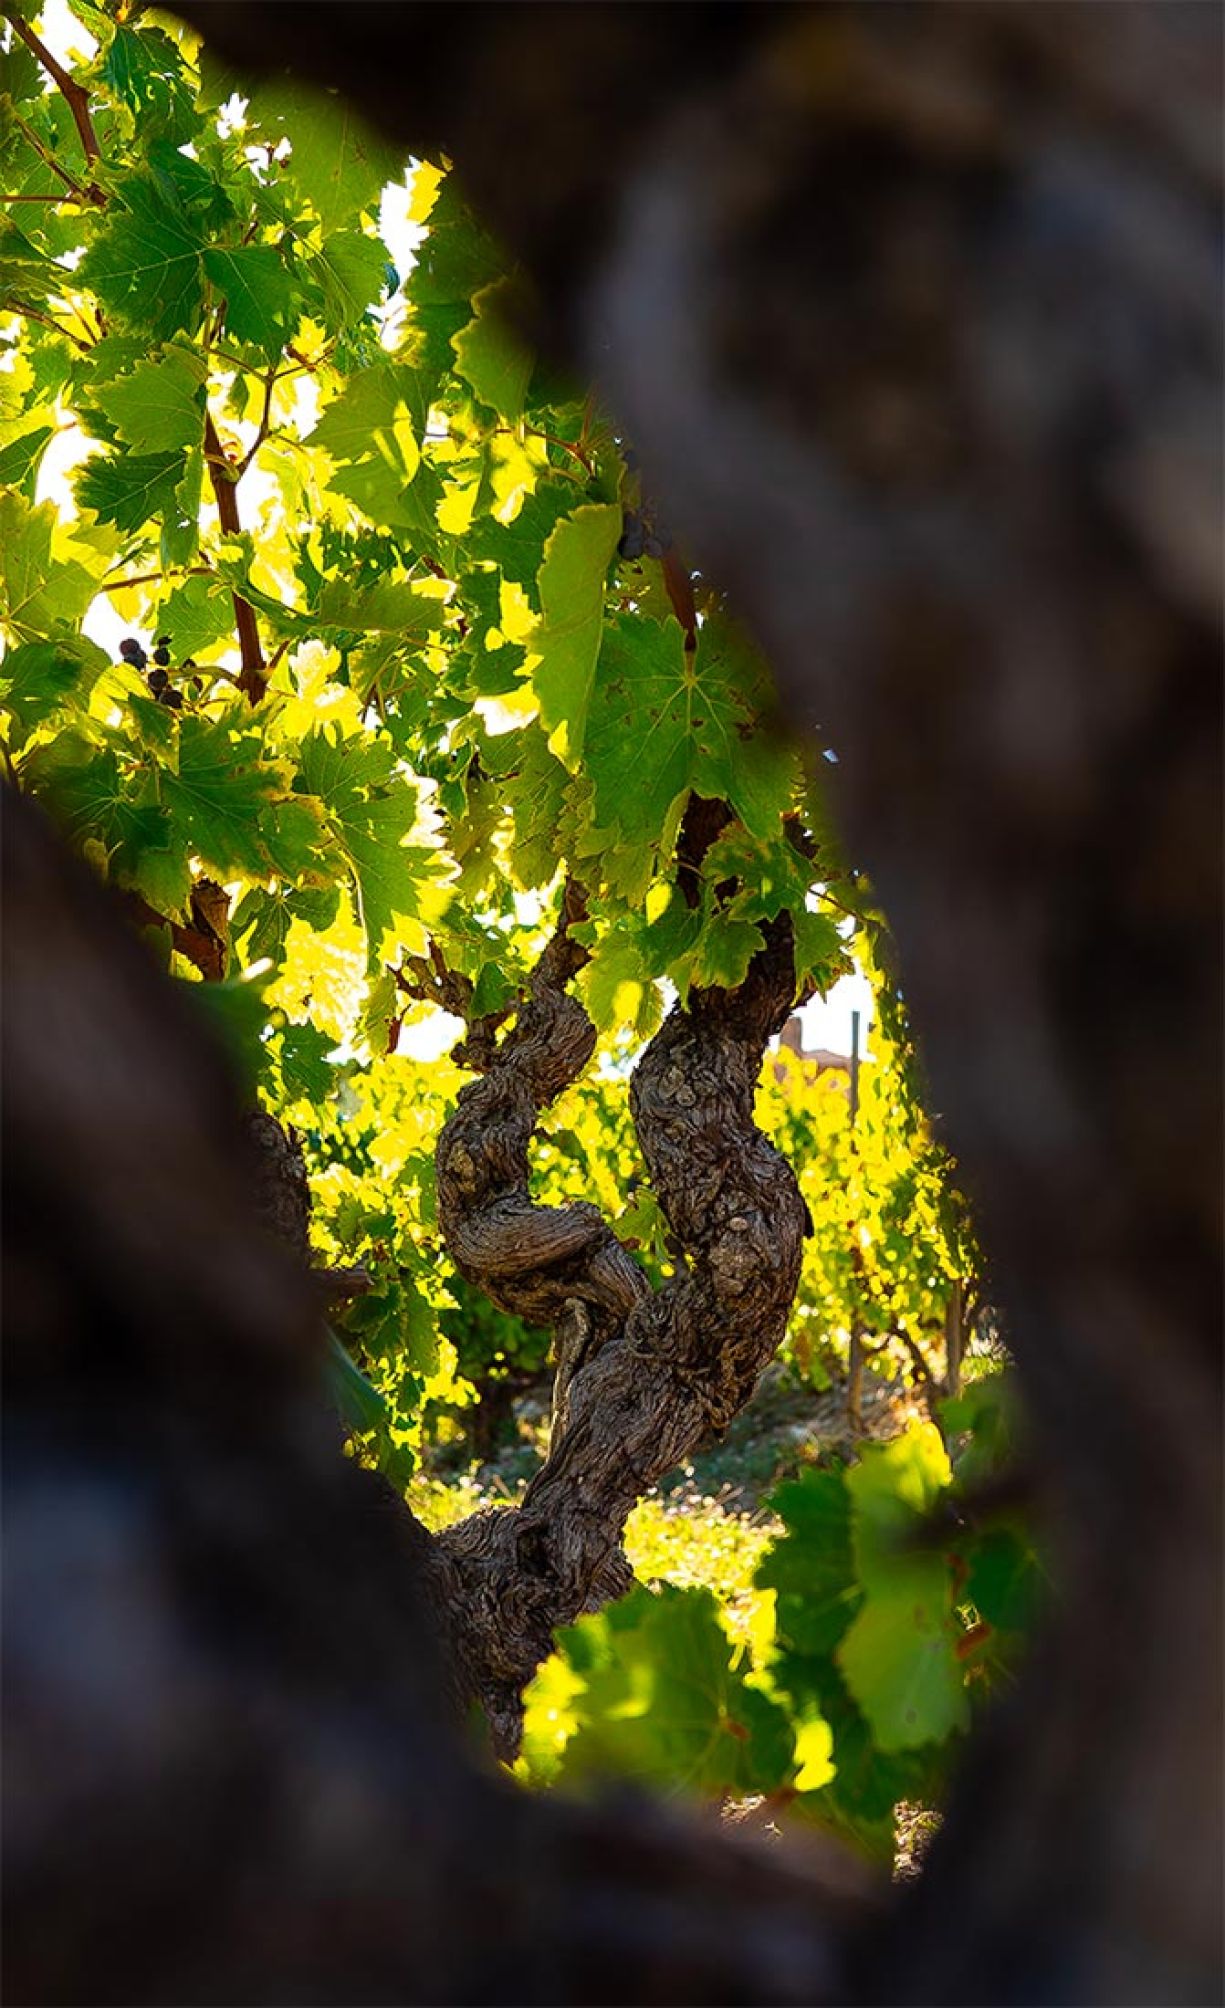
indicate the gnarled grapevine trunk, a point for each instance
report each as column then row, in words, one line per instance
column 642, row 1375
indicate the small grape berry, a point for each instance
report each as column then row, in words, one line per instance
column 633, row 536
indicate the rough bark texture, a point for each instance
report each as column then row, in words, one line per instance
column 641, row 1375
column 915, row 315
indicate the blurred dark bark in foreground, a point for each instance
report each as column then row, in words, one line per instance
column 914, row 315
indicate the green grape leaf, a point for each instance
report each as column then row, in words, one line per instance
column 389, row 607
column 1004, row 1582
column 820, row 950
column 489, row 354
column 38, row 593
column 196, row 615
column 571, row 588
column 811, row 1569
column 892, row 1488
column 37, row 677
column 93, row 799
column 259, row 294
column 745, row 759
column 900, row 1665
column 180, row 538
column 611, row 985
column 899, row 1655
column 661, row 1700
column 724, row 951
column 128, row 489
column 457, row 257
column 868, row 1782
column 19, row 458
column 145, row 70
column 373, row 812
column 371, row 431
column 517, row 548
column 337, row 163
column 350, row 269
column 664, row 720
column 361, row 1406
column 144, row 262
column 301, row 1053
column 233, row 809
column 186, row 182
column 159, row 408
column 161, row 872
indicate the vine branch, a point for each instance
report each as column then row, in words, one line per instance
column 75, row 94
column 253, row 679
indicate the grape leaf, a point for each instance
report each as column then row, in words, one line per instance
column 127, row 489
column 196, row 615
column 337, row 163
column 145, row 70
column 144, row 262
column 93, row 799
column 664, row 720
column 22, row 455
column 898, row 1656
column 571, row 588
column 457, row 257
column 900, row 1665
column 489, row 354
column 160, row 406
column 518, row 547
column 260, row 298
column 661, row 1701
column 371, row 431
column 180, row 537
column 811, row 1569
column 868, row 1782
column 38, row 676
column 350, row 269
column 38, row 592
column 1004, row 1582
column 724, row 951
column 373, row 811
column 235, row 810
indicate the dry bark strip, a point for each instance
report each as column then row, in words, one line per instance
column 642, row 1375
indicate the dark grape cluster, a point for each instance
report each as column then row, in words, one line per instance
column 157, row 677
column 633, row 535
column 642, row 537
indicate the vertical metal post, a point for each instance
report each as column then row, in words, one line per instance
column 854, row 1068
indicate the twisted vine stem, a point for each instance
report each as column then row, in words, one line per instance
column 642, row 1374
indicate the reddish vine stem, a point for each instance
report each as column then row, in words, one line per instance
column 203, row 939
column 253, row 679
column 75, row 94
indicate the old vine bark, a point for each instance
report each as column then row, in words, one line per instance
column 641, row 1374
